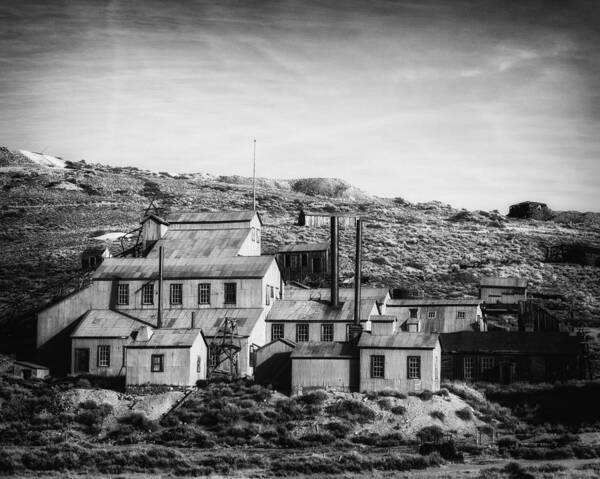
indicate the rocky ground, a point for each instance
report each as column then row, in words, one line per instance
column 49, row 215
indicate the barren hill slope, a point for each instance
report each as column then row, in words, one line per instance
column 429, row 246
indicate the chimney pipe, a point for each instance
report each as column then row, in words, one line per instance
column 160, row 286
column 357, row 272
column 193, row 325
column 335, row 291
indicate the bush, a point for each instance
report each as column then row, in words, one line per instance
column 438, row 415
column 339, row 429
column 318, row 438
column 445, row 449
column 312, row 398
column 465, row 414
column 426, row 395
column 351, row 410
column 430, row 434
column 385, row 403
column 138, row 421
column 398, row 410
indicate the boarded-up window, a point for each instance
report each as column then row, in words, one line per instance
column 301, row 332
column 468, row 368
column 460, row 315
column 204, row 293
column 148, row 294
column 413, row 367
column 123, row 294
column 377, row 366
column 176, row 293
column 230, row 293
column 103, row 356
column 327, row 332
column 276, row 331
column 157, row 363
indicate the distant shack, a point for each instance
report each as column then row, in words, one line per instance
column 573, row 253
column 321, row 218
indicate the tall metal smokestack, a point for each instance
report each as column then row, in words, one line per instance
column 161, row 259
column 335, row 291
column 357, row 272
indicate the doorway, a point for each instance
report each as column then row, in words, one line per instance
column 82, row 360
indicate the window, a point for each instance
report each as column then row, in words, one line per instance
column 304, row 260
column 103, row 356
column 148, row 294
column 213, row 357
column 301, row 332
column 413, row 367
column 199, row 364
column 276, row 331
column 272, row 292
column 431, row 314
column 487, row 363
column 468, row 368
column 176, row 293
column 204, row 293
column 230, row 293
column 413, row 313
column 460, row 315
column 252, row 355
column 348, row 326
column 253, row 234
column 327, row 332
column 268, row 296
column 157, row 363
column 123, row 294
column 377, row 366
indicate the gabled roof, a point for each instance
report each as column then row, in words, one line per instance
column 28, row 364
column 286, row 341
column 503, row 282
column 106, row 323
column 156, row 218
column 500, row 342
column 168, row 338
column 185, row 268
column 381, row 295
column 318, row 311
column 323, row 350
column 213, row 217
column 433, row 302
column 400, row 340
column 209, row 320
column 200, row 243
column 303, row 247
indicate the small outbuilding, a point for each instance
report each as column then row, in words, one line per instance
column 322, row 218
column 324, row 365
column 272, row 364
column 304, row 262
column 502, row 290
column 27, row 370
column 93, row 256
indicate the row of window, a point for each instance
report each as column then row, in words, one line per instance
column 485, row 364
column 302, row 331
column 176, row 293
column 413, row 367
column 433, row 314
column 291, row 261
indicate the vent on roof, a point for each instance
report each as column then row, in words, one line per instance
column 144, row 333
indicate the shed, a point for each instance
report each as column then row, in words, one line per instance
column 272, row 364
column 321, row 218
column 324, row 365
column 27, row 370
column 93, row 256
column 406, row 362
column 493, row 290
column 505, row 357
column 304, row 261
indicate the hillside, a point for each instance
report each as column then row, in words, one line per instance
column 49, row 215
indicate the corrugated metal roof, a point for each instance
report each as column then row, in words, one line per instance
column 201, row 243
column 208, row 320
column 303, row 247
column 379, row 294
column 319, row 349
column 184, row 268
column 105, row 324
column 384, row 318
column 510, row 342
column 433, row 302
column 164, row 338
column 400, row 340
column 503, row 282
column 212, row 217
column 307, row 310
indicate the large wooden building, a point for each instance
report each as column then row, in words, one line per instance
column 506, row 357
column 322, row 218
column 504, row 291
column 305, row 262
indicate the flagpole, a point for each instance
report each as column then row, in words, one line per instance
column 254, row 177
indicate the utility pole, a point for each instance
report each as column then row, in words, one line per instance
column 254, row 177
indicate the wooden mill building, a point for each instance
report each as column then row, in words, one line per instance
column 503, row 291
column 305, row 262
column 321, row 218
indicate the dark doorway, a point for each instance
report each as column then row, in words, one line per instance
column 506, row 373
column 316, row 265
column 26, row 373
column 82, row 360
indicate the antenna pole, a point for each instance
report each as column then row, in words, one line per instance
column 254, row 176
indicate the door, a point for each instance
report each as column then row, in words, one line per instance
column 82, row 360
column 506, row 373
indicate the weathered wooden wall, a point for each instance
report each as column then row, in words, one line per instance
column 445, row 320
column 501, row 295
column 326, row 373
column 296, row 272
column 117, row 366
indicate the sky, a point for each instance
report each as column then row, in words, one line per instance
column 476, row 103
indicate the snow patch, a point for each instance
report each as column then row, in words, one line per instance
column 44, row 160
column 109, row 236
